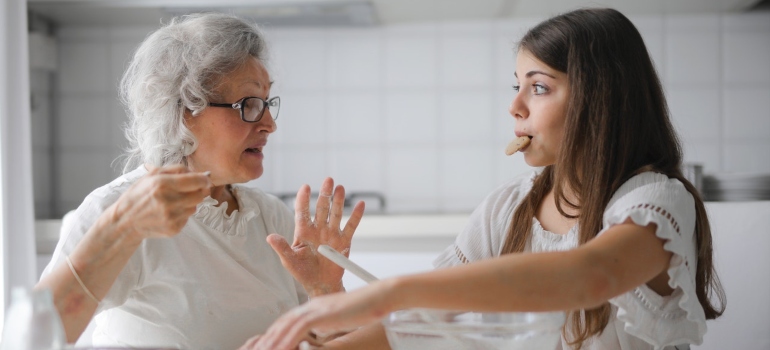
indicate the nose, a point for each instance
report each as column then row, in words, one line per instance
column 518, row 108
column 267, row 123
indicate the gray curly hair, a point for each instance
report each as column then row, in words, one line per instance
column 176, row 69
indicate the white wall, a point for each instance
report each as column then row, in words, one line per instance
column 419, row 111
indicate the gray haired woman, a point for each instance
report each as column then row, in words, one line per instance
column 200, row 109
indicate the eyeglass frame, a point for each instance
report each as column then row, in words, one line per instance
column 240, row 103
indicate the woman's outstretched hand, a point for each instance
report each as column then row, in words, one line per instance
column 327, row 315
column 316, row 273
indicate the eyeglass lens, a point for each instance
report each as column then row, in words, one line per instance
column 253, row 108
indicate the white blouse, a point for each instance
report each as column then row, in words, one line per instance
column 212, row 286
column 641, row 319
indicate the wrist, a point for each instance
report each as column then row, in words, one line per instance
column 323, row 289
column 114, row 228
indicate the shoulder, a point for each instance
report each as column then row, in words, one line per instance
column 76, row 223
column 101, row 198
column 484, row 234
column 652, row 189
column 110, row 192
column 651, row 195
column 491, row 219
column 509, row 195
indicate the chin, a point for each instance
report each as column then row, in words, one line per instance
column 536, row 163
column 253, row 174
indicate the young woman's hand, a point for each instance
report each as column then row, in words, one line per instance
column 316, row 273
column 328, row 314
column 159, row 203
column 308, row 344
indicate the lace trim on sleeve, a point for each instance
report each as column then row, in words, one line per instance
column 663, row 320
column 460, row 255
column 660, row 211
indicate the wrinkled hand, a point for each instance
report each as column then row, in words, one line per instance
column 326, row 314
column 159, row 203
column 316, row 273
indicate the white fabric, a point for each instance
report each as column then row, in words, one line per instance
column 212, row 286
column 641, row 319
column 17, row 230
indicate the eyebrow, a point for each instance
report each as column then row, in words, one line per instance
column 535, row 72
column 258, row 83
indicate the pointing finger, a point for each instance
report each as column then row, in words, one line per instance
column 186, row 182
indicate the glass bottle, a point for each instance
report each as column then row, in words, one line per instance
column 32, row 322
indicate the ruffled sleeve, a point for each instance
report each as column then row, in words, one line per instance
column 661, row 320
column 484, row 234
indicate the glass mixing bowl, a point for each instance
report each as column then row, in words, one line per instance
column 421, row 329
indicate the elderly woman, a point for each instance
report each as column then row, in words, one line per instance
column 200, row 116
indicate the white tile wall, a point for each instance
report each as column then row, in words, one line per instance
column 411, row 117
column 355, row 59
column 465, row 117
column 419, row 111
column 410, row 60
column 692, row 49
column 83, row 68
column 745, row 114
column 359, row 169
column 466, row 176
column 289, row 176
column 458, row 67
column 355, row 118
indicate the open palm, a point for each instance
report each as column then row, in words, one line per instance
column 316, row 273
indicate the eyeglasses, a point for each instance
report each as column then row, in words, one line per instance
column 253, row 108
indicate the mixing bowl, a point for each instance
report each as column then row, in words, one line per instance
column 421, row 329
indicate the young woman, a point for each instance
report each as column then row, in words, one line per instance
column 607, row 229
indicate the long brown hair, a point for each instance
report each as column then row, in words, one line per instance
column 617, row 126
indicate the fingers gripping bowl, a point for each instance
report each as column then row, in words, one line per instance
column 443, row 329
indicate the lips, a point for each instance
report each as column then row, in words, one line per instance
column 256, row 147
column 520, row 134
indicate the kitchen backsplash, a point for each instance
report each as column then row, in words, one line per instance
column 417, row 112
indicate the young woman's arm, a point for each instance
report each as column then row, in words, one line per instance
column 370, row 337
column 617, row 261
column 620, row 259
column 157, row 205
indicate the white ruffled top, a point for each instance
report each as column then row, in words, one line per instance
column 212, row 286
column 641, row 319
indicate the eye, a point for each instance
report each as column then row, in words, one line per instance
column 538, row 89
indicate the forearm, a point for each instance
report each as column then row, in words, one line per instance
column 98, row 260
column 622, row 258
column 516, row 282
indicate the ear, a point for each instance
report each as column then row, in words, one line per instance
column 187, row 116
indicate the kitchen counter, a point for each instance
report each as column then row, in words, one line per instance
column 373, row 231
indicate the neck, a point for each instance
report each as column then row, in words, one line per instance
column 570, row 196
column 222, row 194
